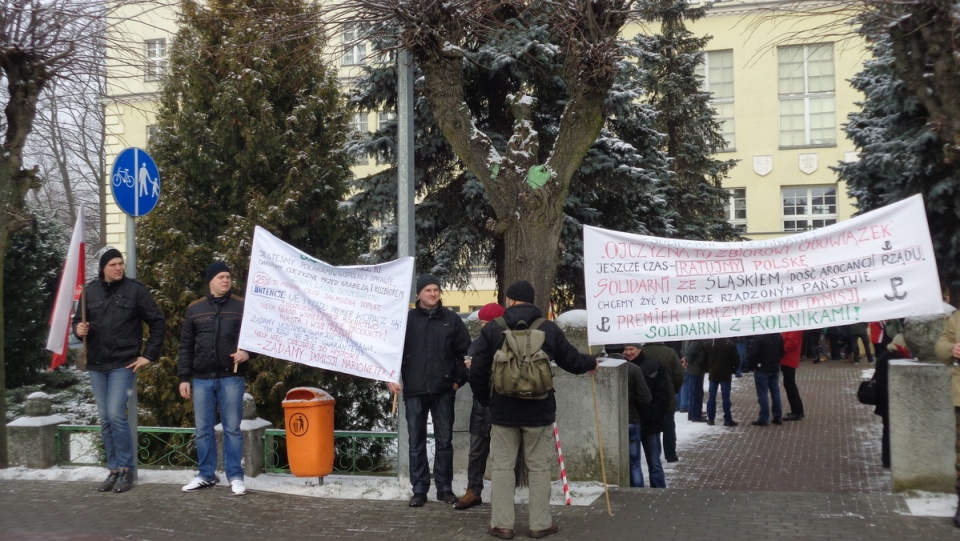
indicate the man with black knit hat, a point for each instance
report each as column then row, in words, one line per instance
column 116, row 309
column 432, row 370
column 517, row 419
column 210, row 357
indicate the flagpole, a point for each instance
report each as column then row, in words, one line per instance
column 82, row 362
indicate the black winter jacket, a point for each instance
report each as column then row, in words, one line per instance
column 211, row 332
column 638, row 395
column 511, row 411
column 657, row 378
column 765, row 352
column 433, row 350
column 116, row 312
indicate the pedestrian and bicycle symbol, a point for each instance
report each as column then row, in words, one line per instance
column 136, row 182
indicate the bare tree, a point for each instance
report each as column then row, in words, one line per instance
column 526, row 177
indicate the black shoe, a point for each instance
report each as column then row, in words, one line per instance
column 108, row 483
column 758, row 423
column 418, row 500
column 673, row 459
column 124, row 482
column 730, row 423
column 793, row 417
column 447, row 497
column 777, row 421
column 710, row 422
column 698, row 420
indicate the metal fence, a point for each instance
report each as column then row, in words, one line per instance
column 357, row 452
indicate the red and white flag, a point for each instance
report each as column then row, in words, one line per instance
column 71, row 284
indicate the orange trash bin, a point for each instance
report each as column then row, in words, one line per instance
column 308, row 416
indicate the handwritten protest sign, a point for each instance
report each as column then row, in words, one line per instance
column 876, row 266
column 347, row 319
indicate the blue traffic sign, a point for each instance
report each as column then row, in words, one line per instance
column 136, row 182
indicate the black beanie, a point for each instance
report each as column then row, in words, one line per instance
column 214, row 269
column 425, row 280
column 108, row 256
column 521, row 291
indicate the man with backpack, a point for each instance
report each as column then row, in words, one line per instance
column 522, row 405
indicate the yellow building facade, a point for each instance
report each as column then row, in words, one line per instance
column 778, row 81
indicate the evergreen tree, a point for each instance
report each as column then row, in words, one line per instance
column 34, row 262
column 901, row 155
column 250, row 131
column 614, row 187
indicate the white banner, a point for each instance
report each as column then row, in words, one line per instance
column 876, row 266
column 347, row 319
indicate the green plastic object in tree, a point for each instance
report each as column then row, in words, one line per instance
column 538, row 176
column 495, row 171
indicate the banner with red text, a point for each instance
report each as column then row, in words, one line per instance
column 346, row 319
column 872, row 267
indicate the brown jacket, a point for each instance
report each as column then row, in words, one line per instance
column 944, row 349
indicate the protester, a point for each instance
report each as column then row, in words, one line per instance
column 431, row 371
column 723, row 364
column 858, row 333
column 948, row 352
column 670, row 360
column 116, row 308
column 789, row 363
column 210, row 357
column 518, row 419
column 651, row 418
column 766, row 350
column 694, row 360
column 479, row 428
column 638, row 408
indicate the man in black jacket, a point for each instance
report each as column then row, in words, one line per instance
column 765, row 353
column 210, row 357
column 431, row 372
column 519, row 419
column 116, row 309
column 652, row 418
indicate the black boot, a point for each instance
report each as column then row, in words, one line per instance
column 108, row 483
column 124, row 482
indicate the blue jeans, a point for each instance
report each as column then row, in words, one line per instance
column 695, row 406
column 768, row 383
column 636, row 469
column 712, row 401
column 440, row 408
column 112, row 391
column 651, row 451
column 742, row 352
column 683, row 397
column 226, row 396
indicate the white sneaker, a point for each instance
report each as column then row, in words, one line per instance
column 199, row 483
column 237, row 487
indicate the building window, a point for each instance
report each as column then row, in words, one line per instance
column 358, row 125
column 717, row 73
column 354, row 49
column 384, row 118
column 809, row 208
column 737, row 209
column 156, row 54
column 806, row 85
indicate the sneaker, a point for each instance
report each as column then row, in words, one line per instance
column 124, row 482
column 108, row 483
column 199, row 483
column 468, row 500
column 236, row 486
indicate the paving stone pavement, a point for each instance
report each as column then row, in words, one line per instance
column 817, row 479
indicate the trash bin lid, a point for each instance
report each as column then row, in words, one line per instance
column 307, row 394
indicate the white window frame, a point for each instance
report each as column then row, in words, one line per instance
column 359, row 126
column 384, row 117
column 155, row 53
column 354, row 49
column 808, row 207
column 716, row 71
column 815, row 104
column 737, row 209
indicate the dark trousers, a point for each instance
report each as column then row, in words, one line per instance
column 670, row 437
column 440, row 407
column 790, row 387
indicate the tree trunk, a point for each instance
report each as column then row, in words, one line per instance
column 531, row 252
column 4, row 458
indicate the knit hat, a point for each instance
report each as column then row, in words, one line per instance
column 490, row 312
column 214, row 269
column 521, row 291
column 425, row 280
column 108, row 256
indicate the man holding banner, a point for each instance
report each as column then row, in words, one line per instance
column 431, row 372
